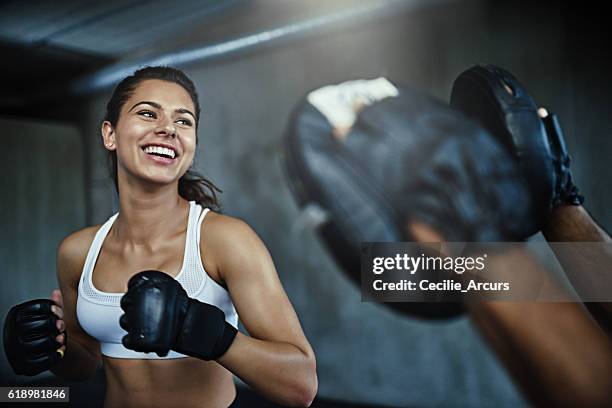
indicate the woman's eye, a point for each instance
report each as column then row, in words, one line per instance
column 147, row 114
column 185, row 122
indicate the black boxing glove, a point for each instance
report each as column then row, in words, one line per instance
column 30, row 330
column 495, row 98
column 159, row 317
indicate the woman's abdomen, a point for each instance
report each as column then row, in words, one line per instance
column 182, row 382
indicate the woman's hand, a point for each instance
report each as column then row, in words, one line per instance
column 58, row 310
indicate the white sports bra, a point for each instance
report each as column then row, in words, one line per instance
column 98, row 312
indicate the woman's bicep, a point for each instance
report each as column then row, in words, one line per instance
column 256, row 290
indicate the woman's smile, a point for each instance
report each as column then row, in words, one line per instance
column 158, row 159
column 161, row 153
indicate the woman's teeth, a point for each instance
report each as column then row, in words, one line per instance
column 162, row 151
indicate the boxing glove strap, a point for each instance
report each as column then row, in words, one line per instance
column 204, row 333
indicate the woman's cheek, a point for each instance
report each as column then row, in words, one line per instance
column 190, row 147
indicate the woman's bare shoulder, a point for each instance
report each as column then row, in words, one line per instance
column 223, row 235
column 221, row 227
column 218, row 220
column 73, row 251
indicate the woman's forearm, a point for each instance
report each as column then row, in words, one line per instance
column 78, row 364
column 280, row 371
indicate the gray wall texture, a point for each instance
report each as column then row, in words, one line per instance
column 365, row 352
column 43, row 200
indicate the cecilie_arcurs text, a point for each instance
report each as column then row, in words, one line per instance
column 444, row 285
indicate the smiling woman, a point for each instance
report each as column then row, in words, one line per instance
column 155, row 292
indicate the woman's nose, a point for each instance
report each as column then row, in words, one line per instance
column 167, row 128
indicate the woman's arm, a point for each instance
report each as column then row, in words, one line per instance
column 275, row 359
column 82, row 356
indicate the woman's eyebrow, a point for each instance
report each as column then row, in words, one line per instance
column 158, row 106
column 183, row 110
column 154, row 104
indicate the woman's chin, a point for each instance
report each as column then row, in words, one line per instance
column 159, row 181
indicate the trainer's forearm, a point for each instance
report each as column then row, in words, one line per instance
column 585, row 270
column 78, row 364
column 571, row 223
column 280, row 371
column 554, row 351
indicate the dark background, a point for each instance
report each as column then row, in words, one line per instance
column 59, row 62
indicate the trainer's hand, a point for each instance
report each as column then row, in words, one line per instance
column 159, row 317
column 34, row 335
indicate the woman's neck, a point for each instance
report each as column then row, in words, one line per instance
column 147, row 218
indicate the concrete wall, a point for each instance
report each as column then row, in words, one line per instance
column 43, row 200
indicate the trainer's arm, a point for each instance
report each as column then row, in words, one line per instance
column 275, row 359
column 572, row 223
column 82, row 356
column 587, row 270
column 556, row 353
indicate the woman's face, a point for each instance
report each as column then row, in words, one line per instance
column 155, row 136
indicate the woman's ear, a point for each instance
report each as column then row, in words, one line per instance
column 108, row 135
